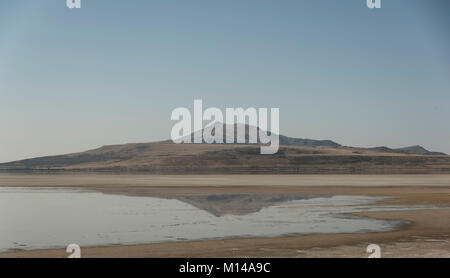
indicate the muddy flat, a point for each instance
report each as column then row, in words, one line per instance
column 426, row 234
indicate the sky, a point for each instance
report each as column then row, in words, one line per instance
column 113, row 71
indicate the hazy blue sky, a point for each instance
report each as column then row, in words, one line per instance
column 112, row 71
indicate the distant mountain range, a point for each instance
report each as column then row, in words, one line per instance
column 291, row 141
column 407, row 150
column 295, row 156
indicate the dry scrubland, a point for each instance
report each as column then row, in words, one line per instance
column 168, row 158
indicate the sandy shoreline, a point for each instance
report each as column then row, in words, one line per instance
column 428, row 235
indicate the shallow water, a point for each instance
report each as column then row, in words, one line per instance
column 47, row 218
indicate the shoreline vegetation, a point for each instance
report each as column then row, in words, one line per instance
column 238, row 160
column 294, row 156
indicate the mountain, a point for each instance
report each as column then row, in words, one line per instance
column 289, row 141
column 407, row 150
column 284, row 140
column 417, row 150
column 295, row 156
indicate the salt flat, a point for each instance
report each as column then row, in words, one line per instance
column 429, row 225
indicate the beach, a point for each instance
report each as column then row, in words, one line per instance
column 426, row 234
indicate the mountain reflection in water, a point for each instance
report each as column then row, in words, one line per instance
column 40, row 218
column 238, row 204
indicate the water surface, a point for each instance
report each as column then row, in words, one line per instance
column 38, row 218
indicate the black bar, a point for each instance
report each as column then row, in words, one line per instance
column 241, row 267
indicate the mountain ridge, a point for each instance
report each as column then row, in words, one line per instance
column 296, row 155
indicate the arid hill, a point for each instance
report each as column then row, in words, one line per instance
column 295, row 156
